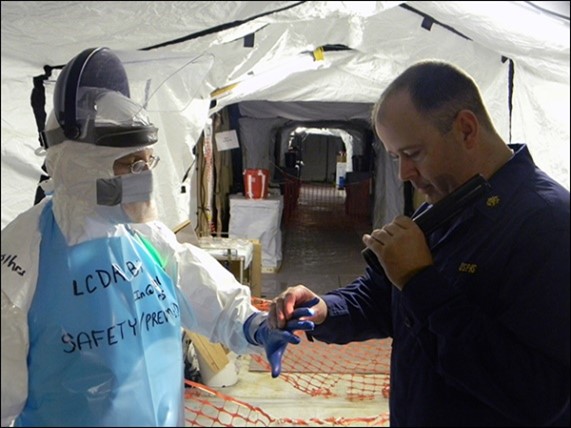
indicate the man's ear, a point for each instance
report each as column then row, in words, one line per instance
column 468, row 126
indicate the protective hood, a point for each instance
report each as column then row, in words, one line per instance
column 75, row 169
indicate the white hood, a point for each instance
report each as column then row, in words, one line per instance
column 74, row 168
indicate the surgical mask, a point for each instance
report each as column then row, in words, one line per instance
column 125, row 189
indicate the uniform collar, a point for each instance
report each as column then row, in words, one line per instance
column 504, row 184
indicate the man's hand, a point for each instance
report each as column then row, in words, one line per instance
column 282, row 308
column 401, row 248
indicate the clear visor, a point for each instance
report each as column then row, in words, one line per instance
column 111, row 119
column 105, row 95
column 165, row 81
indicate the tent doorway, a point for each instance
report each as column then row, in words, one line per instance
column 324, row 217
column 318, row 153
column 327, row 165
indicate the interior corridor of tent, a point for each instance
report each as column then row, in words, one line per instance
column 320, row 384
column 321, row 237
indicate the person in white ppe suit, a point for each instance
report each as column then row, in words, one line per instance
column 96, row 290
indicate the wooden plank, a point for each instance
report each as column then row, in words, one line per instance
column 256, row 269
column 185, row 233
column 212, row 353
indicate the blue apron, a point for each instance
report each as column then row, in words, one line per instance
column 105, row 336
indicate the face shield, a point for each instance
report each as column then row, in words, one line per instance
column 103, row 97
column 106, row 118
column 103, row 101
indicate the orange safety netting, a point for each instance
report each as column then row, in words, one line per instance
column 207, row 407
column 352, row 374
column 212, row 408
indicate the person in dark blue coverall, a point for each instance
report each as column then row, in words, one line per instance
column 478, row 311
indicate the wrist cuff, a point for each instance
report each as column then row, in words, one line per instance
column 251, row 326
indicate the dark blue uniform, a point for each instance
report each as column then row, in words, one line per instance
column 482, row 337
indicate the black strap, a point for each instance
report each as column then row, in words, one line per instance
column 38, row 101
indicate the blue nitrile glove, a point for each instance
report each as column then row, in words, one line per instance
column 274, row 340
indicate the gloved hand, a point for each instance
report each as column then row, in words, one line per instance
column 275, row 340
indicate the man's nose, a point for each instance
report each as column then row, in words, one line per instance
column 407, row 169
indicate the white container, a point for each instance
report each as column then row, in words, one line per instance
column 228, row 376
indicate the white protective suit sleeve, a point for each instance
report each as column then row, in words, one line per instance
column 212, row 301
column 20, row 255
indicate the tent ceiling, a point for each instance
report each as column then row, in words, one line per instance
column 251, row 39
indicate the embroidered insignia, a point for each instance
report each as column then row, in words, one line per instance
column 493, row 201
column 467, row 267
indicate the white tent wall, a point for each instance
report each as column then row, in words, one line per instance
column 20, row 169
column 257, row 137
column 181, row 130
column 383, row 37
column 357, row 77
column 545, row 103
column 389, row 190
column 263, row 124
column 539, row 47
column 295, row 112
